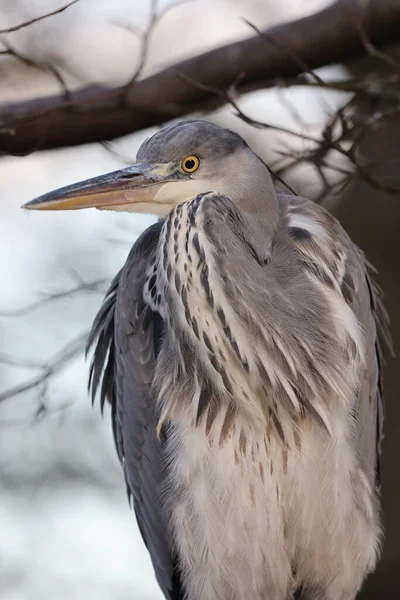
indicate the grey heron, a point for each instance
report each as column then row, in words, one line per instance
column 241, row 350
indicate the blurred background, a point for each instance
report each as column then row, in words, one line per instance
column 66, row 529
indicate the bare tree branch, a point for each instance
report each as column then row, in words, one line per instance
column 98, row 114
column 69, row 352
column 59, row 361
column 155, row 17
column 46, row 67
column 35, row 20
column 81, row 287
column 275, row 43
column 328, row 142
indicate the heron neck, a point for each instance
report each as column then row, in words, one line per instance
column 255, row 196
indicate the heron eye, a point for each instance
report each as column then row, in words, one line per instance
column 190, row 164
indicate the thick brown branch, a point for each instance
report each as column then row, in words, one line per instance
column 98, row 114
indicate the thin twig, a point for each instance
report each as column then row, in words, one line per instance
column 58, row 363
column 286, row 52
column 20, row 363
column 36, row 19
column 372, row 50
column 155, row 18
column 46, row 67
column 82, row 287
column 110, row 148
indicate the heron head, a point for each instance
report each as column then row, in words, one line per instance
column 174, row 165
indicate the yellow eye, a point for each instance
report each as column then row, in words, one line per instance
column 190, row 164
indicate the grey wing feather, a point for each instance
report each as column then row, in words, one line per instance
column 348, row 265
column 126, row 335
column 364, row 297
column 371, row 392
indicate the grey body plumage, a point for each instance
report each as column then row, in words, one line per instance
column 241, row 350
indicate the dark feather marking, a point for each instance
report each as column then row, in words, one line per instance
column 176, row 221
column 196, row 243
column 228, row 333
column 226, row 328
column 371, row 294
column 204, row 402
column 221, row 316
column 169, row 271
column 347, row 288
column 299, row 234
column 152, row 281
column 261, row 472
column 284, row 460
column 195, row 327
column 177, row 282
column 176, row 257
column 168, row 229
column 236, row 349
column 264, row 376
column 242, row 443
column 227, row 424
column 314, row 269
column 244, row 363
column 278, row 427
column 211, row 415
column 204, row 280
column 198, row 248
column 214, row 362
column 184, row 298
column 165, row 255
column 207, row 342
column 297, row 438
column 226, row 382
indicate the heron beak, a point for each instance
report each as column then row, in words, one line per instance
column 132, row 189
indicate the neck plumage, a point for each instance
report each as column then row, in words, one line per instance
column 257, row 201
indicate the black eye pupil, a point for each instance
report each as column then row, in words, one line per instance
column 190, row 164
